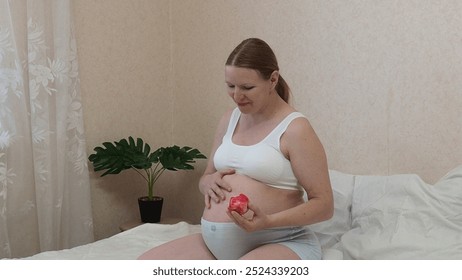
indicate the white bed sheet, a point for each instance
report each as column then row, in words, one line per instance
column 130, row 244
column 127, row 245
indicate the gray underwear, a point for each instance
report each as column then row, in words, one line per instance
column 227, row 241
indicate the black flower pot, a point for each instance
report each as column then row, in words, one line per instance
column 150, row 210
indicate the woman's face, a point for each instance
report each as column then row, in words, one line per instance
column 247, row 88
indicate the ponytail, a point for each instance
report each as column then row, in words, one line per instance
column 283, row 89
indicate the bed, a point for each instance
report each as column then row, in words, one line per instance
column 376, row 217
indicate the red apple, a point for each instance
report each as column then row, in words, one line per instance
column 239, row 204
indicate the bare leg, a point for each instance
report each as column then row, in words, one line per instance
column 271, row 252
column 191, row 247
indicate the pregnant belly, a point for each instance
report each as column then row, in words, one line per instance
column 268, row 199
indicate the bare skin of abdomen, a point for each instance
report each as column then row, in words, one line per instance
column 268, row 199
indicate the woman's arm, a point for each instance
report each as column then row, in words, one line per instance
column 309, row 164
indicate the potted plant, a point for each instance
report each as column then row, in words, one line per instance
column 130, row 154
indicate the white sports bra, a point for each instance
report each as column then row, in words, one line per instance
column 263, row 161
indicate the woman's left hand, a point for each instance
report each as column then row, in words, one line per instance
column 257, row 221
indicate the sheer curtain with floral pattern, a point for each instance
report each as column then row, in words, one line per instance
column 44, row 182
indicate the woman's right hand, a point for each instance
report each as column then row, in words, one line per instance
column 213, row 186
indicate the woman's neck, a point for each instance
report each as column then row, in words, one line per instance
column 274, row 109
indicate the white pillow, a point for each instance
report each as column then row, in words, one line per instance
column 402, row 217
column 453, row 179
column 330, row 231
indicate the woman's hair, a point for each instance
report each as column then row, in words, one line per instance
column 256, row 54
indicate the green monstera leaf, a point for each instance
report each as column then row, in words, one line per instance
column 114, row 157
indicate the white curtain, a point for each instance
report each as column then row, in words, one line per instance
column 44, row 182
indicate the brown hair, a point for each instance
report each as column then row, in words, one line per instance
column 256, row 54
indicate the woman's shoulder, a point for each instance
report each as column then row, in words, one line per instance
column 294, row 116
column 299, row 125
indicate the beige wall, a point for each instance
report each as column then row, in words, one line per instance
column 379, row 80
column 124, row 60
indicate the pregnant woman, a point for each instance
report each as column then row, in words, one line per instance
column 268, row 151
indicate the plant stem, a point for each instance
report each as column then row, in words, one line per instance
column 151, row 178
column 144, row 177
